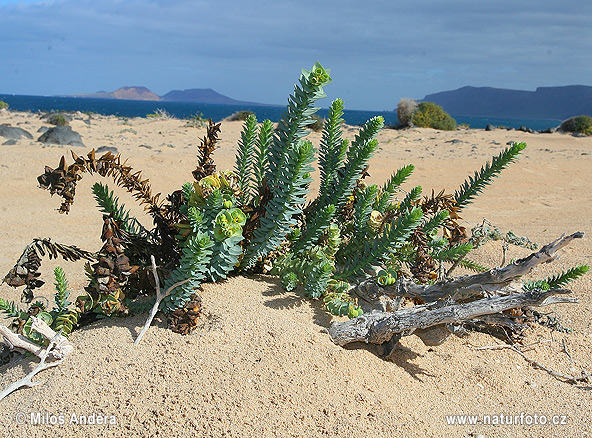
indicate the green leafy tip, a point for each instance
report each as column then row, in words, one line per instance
column 61, row 286
column 475, row 184
column 558, row 280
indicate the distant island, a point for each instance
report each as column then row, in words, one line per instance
column 557, row 103
column 195, row 95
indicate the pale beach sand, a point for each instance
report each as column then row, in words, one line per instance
column 261, row 363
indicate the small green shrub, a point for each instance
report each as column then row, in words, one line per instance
column 578, row 124
column 196, row 121
column 240, row 116
column 317, row 123
column 3, row 105
column 430, row 115
column 57, row 119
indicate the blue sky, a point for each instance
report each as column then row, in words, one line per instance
column 378, row 51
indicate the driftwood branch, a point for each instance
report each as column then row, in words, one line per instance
column 57, row 350
column 379, row 327
column 61, row 348
column 159, row 297
column 19, row 342
column 467, row 286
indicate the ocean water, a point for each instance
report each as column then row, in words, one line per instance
column 183, row 110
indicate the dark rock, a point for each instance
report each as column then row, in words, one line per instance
column 14, row 133
column 10, row 142
column 103, row 149
column 61, row 135
column 525, row 129
column 489, row 127
column 550, row 130
column 145, row 146
column 43, row 129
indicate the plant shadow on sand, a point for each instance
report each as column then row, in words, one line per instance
column 290, row 300
column 400, row 355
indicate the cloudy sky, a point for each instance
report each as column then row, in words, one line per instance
column 378, row 51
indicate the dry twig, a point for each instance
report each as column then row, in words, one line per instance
column 562, row 377
column 159, row 297
column 58, row 348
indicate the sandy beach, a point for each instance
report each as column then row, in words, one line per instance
column 261, row 363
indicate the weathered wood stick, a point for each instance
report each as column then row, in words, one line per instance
column 379, row 327
column 61, row 349
column 16, row 341
column 467, row 286
column 159, row 297
column 27, row 381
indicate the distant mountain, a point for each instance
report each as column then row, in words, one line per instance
column 545, row 103
column 196, row 95
column 135, row 93
column 127, row 93
column 203, row 95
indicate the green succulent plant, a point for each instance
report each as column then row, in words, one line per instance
column 260, row 217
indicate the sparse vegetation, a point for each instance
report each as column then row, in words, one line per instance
column 240, row 116
column 57, row 120
column 430, row 115
column 196, row 121
column 405, row 110
column 578, row 124
column 161, row 114
column 3, row 105
column 317, row 123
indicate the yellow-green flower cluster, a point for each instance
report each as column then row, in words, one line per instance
column 387, row 278
column 229, row 223
column 375, row 220
column 226, row 181
column 319, row 76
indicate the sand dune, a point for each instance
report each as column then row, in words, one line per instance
column 261, row 363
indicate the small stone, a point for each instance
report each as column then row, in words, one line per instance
column 103, row 149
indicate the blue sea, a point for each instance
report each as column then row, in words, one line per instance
column 183, row 110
